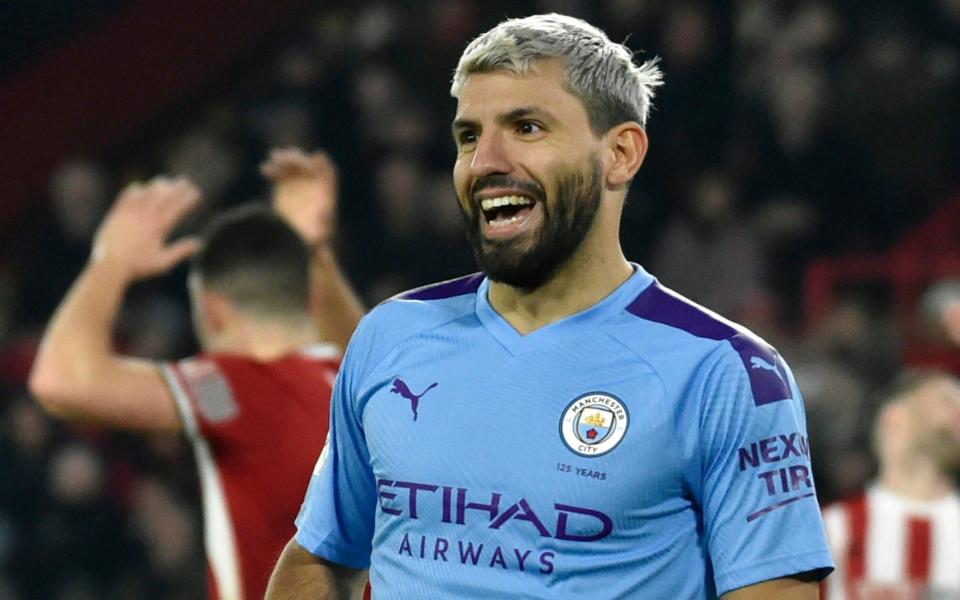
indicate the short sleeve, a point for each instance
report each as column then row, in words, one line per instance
column 761, row 516
column 336, row 521
column 203, row 394
column 836, row 521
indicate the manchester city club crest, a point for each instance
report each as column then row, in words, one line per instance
column 593, row 424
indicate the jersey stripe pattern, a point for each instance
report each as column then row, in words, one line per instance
column 889, row 547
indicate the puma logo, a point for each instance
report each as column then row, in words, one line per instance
column 758, row 363
column 400, row 387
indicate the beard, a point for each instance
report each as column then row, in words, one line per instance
column 943, row 447
column 529, row 261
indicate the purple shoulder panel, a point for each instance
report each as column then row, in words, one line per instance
column 765, row 368
column 461, row 286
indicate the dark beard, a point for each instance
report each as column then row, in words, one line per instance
column 577, row 202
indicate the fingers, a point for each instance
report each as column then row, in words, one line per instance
column 321, row 161
column 129, row 195
column 284, row 163
column 179, row 251
column 163, row 200
column 176, row 199
column 133, row 236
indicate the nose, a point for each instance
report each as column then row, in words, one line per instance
column 490, row 156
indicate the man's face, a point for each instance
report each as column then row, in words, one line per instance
column 935, row 412
column 528, row 174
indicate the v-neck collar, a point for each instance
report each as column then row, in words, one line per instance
column 516, row 343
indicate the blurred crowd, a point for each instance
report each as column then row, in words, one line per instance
column 786, row 130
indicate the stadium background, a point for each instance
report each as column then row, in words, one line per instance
column 802, row 179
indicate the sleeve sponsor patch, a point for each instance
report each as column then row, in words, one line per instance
column 782, row 483
column 210, row 390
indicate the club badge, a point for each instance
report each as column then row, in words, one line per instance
column 594, row 424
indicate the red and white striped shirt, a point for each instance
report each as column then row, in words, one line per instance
column 887, row 547
column 257, row 429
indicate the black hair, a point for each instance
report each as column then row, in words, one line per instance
column 255, row 259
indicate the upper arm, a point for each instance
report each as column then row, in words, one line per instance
column 788, row 588
column 121, row 392
column 755, row 481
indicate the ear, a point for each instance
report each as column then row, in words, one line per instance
column 217, row 310
column 627, row 146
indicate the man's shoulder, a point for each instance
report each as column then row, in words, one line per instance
column 199, row 366
column 425, row 308
column 300, row 357
column 458, row 287
column 679, row 323
column 663, row 306
column 246, row 370
column 218, row 388
column 208, row 362
column 681, row 338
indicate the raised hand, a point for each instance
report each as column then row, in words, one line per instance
column 304, row 192
column 133, row 235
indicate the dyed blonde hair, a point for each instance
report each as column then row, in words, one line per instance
column 599, row 72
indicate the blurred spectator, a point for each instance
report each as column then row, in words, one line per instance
column 27, row 443
column 80, row 544
column 900, row 538
column 940, row 307
column 399, row 185
column 168, row 531
column 204, row 155
column 78, row 191
column 894, row 106
column 50, row 257
column 710, row 254
column 155, row 326
column 933, row 339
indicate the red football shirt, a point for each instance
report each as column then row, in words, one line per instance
column 257, row 429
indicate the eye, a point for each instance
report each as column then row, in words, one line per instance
column 528, row 128
column 466, row 137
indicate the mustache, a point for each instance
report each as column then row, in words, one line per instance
column 531, row 188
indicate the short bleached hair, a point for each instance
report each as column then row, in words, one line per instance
column 599, row 72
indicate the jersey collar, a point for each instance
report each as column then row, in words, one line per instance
column 516, row 343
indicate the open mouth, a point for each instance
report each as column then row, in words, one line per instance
column 504, row 211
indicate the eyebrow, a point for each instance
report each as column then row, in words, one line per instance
column 508, row 117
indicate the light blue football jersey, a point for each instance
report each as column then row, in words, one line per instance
column 642, row 448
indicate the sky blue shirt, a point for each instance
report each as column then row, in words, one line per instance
column 642, row 448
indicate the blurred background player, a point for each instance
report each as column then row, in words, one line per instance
column 900, row 538
column 255, row 404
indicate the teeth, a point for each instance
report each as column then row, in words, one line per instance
column 492, row 203
column 504, row 222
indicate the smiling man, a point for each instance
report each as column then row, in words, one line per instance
column 577, row 429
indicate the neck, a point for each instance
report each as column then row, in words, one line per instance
column 917, row 479
column 586, row 279
column 266, row 340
